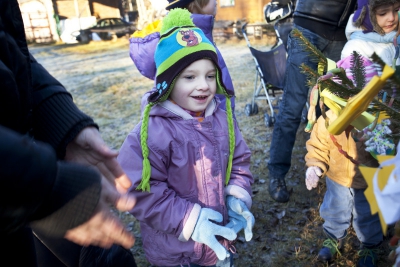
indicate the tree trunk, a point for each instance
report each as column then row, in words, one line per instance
column 149, row 11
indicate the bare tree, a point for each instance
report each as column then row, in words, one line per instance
column 149, row 11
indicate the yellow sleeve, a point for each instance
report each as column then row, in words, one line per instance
column 318, row 146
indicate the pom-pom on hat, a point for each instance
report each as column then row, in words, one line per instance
column 177, row 3
column 181, row 43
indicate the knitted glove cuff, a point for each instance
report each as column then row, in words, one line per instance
column 73, row 199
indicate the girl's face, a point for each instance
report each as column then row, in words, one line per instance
column 210, row 8
column 387, row 17
column 196, row 86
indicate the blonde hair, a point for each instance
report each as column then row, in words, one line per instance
column 196, row 7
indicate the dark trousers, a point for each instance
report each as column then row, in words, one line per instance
column 20, row 246
column 295, row 94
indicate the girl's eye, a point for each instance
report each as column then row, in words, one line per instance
column 191, row 77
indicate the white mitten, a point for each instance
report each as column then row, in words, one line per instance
column 205, row 232
column 312, row 177
column 239, row 217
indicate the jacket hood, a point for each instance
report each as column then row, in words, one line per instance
column 205, row 23
column 373, row 5
column 351, row 27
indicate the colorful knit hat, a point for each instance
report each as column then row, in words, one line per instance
column 178, row 3
column 181, row 43
column 365, row 14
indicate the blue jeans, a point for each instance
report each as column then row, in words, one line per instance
column 342, row 204
column 294, row 98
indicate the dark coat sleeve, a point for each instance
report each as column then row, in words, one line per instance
column 57, row 196
column 37, row 188
column 55, row 118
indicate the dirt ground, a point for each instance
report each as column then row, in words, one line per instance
column 106, row 85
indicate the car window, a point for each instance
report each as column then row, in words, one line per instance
column 118, row 22
column 104, row 23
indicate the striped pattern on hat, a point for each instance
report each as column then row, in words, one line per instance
column 181, row 43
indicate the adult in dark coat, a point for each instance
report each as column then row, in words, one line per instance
column 323, row 23
column 45, row 143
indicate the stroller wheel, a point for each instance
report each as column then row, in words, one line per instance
column 248, row 110
column 255, row 109
column 268, row 120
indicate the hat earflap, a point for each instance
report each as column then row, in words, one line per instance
column 146, row 171
column 359, row 21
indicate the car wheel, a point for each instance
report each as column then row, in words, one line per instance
column 114, row 37
column 84, row 38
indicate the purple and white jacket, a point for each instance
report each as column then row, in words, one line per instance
column 188, row 166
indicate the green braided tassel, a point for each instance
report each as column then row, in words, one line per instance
column 232, row 141
column 146, row 171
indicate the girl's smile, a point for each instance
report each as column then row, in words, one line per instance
column 196, row 86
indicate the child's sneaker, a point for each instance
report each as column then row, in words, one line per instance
column 368, row 257
column 329, row 249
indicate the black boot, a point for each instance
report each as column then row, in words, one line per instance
column 277, row 189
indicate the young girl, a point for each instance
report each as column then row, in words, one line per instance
column 195, row 174
column 143, row 43
column 344, row 201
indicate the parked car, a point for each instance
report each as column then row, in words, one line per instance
column 106, row 29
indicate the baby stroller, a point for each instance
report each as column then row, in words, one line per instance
column 270, row 71
column 271, row 65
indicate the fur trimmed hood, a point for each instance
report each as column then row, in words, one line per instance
column 365, row 15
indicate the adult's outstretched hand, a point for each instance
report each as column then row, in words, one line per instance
column 88, row 148
column 104, row 228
